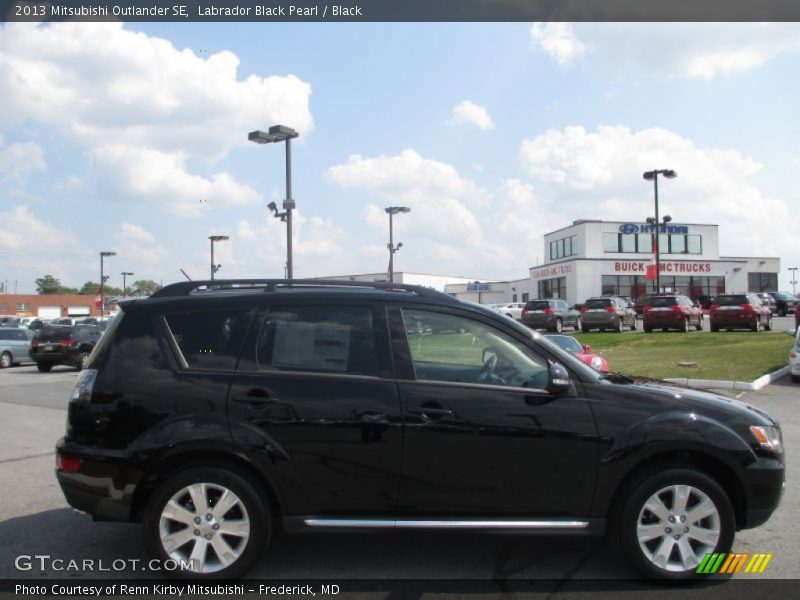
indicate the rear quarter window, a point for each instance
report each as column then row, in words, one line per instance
column 211, row 340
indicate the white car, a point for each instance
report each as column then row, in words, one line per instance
column 512, row 310
column 794, row 357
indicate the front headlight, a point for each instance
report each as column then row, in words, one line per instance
column 768, row 437
column 597, row 363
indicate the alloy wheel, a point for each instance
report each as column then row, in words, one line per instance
column 677, row 527
column 207, row 524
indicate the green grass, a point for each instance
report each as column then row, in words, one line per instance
column 726, row 356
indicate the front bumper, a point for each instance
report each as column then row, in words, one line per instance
column 103, row 486
column 763, row 483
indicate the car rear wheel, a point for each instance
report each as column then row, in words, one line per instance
column 686, row 327
column 672, row 519
column 795, row 378
column 584, row 328
column 210, row 517
column 768, row 326
column 618, row 327
column 44, row 367
column 699, row 326
column 647, row 329
column 83, row 360
column 633, row 324
column 559, row 326
column 5, row 360
column 757, row 325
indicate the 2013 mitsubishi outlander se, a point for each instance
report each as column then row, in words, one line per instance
column 217, row 412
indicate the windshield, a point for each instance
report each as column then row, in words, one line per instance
column 537, row 304
column 598, row 302
column 736, row 300
column 783, row 296
column 661, row 301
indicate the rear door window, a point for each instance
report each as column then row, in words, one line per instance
column 323, row 339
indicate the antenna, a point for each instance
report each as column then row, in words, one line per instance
column 185, row 275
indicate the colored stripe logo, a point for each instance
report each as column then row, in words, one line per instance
column 734, row 562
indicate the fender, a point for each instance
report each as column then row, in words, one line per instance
column 663, row 433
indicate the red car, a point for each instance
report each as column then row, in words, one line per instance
column 671, row 311
column 740, row 311
column 582, row 351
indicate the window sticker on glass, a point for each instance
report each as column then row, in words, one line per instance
column 311, row 345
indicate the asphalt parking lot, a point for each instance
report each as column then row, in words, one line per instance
column 35, row 519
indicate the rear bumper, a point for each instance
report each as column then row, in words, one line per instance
column 102, row 486
column 671, row 321
column 539, row 321
column 599, row 321
column 55, row 358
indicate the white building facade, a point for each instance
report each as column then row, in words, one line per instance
column 593, row 258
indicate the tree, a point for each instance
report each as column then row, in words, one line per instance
column 145, row 287
column 90, row 288
column 47, row 285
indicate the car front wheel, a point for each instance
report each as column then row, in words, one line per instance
column 5, row 360
column 672, row 519
column 210, row 519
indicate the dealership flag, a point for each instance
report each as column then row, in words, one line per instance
column 650, row 272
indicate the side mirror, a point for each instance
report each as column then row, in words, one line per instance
column 558, row 382
column 489, row 358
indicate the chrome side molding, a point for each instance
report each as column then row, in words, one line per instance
column 445, row 524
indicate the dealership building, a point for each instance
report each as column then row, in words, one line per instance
column 593, row 258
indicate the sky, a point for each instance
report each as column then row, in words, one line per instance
column 133, row 138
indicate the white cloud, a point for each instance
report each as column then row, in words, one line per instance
column 599, row 175
column 469, row 112
column 559, row 41
column 17, row 162
column 692, row 50
column 134, row 244
column 94, row 83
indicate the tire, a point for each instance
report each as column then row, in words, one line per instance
column 795, row 378
column 713, row 327
column 686, row 327
column 584, row 328
column 633, row 324
column 647, row 329
column 6, row 360
column 558, row 326
column 757, row 325
column 618, row 327
column 248, row 520
column 648, row 505
column 781, row 312
column 768, row 326
column 83, row 359
column 699, row 326
column 44, row 367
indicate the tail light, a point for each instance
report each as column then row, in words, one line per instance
column 584, row 308
column 68, row 465
column 714, row 307
column 68, row 342
column 611, row 309
column 646, row 309
column 524, row 312
column 748, row 308
column 34, row 343
column 677, row 308
column 548, row 311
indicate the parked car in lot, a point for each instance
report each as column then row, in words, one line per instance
column 552, row 315
column 214, row 416
column 64, row 345
column 15, row 344
column 512, row 310
column 607, row 312
column 10, row 321
column 582, row 351
column 671, row 311
column 739, row 311
column 794, row 357
column 785, row 303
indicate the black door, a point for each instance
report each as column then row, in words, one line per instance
column 482, row 436
column 312, row 395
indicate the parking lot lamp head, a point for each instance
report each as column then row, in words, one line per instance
column 125, row 283
column 392, row 211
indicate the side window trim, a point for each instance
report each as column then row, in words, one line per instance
column 173, row 343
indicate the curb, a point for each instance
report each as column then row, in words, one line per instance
column 752, row 386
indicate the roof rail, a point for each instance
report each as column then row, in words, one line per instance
column 184, row 288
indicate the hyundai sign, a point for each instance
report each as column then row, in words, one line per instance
column 479, row 287
column 628, row 228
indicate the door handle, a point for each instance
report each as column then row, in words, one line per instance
column 255, row 398
column 429, row 411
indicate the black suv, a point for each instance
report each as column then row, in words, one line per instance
column 64, row 345
column 217, row 416
column 785, row 303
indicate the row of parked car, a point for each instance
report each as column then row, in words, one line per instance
column 49, row 343
column 659, row 311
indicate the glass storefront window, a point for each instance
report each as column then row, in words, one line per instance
column 677, row 244
column 628, row 243
column 694, row 244
column 553, row 288
column 611, row 242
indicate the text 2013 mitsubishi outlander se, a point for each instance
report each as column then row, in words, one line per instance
column 217, row 412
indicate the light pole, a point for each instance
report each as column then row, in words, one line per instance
column 392, row 211
column 103, row 278
column 215, row 238
column 653, row 175
column 280, row 133
column 125, row 283
column 794, row 280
